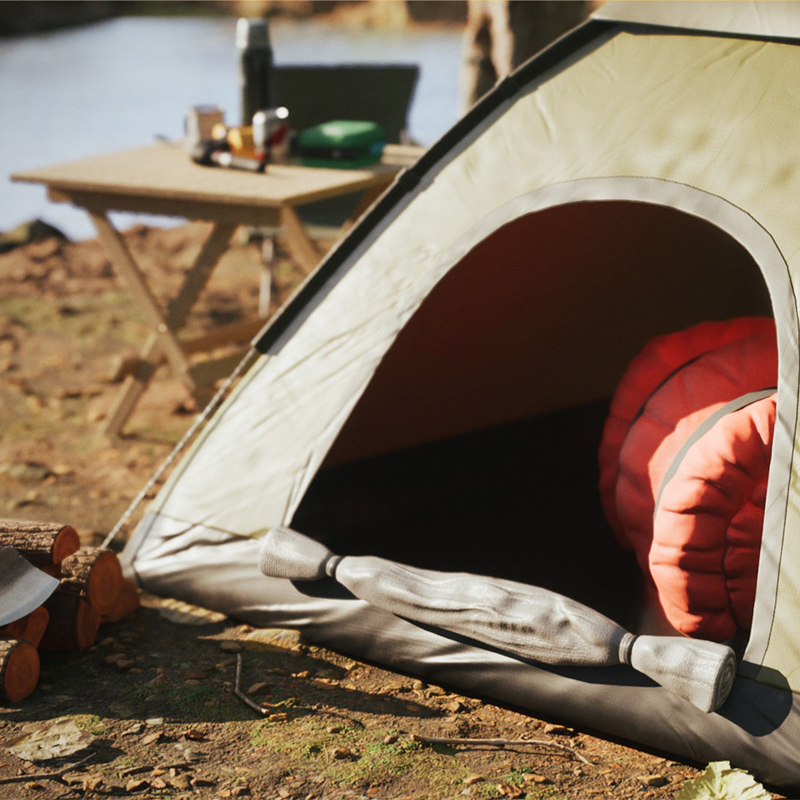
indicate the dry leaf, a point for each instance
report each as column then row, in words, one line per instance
column 62, row 738
column 509, row 790
column 721, row 782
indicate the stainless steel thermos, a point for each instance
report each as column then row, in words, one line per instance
column 255, row 66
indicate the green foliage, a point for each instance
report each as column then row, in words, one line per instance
column 195, row 694
column 85, row 319
column 372, row 760
column 259, row 734
column 92, row 723
column 378, row 762
column 312, row 750
column 516, row 776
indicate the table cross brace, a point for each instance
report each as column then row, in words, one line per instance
column 163, row 343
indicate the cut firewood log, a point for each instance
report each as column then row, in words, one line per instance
column 43, row 544
column 95, row 575
column 128, row 600
column 73, row 623
column 31, row 627
column 19, row 669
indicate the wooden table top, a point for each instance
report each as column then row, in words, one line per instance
column 166, row 171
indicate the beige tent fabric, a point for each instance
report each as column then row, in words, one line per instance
column 710, row 114
column 775, row 19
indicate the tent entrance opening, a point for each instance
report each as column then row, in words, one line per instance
column 474, row 448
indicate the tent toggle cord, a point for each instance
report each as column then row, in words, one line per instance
column 206, row 413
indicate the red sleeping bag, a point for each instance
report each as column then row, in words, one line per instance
column 683, row 468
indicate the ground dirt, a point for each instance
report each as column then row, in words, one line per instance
column 156, row 695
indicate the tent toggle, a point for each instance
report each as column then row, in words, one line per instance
column 526, row 621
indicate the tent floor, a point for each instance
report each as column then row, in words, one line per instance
column 519, row 501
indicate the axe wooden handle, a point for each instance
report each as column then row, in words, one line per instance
column 524, row 620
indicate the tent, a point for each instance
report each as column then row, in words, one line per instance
column 435, row 392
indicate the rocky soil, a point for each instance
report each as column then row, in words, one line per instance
column 155, row 709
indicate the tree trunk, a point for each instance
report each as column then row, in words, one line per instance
column 502, row 34
column 19, row 669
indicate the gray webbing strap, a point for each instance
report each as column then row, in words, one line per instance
column 701, row 430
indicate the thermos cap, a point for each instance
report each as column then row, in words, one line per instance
column 252, row 33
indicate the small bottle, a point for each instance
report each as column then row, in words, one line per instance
column 255, row 62
column 270, row 134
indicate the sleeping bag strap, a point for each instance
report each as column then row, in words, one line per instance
column 702, row 429
column 626, row 647
column 331, row 564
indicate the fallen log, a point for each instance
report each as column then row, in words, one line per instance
column 95, row 575
column 31, row 627
column 19, row 669
column 128, row 600
column 73, row 623
column 43, row 544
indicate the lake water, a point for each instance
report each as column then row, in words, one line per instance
column 119, row 83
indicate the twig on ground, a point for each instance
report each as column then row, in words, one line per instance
column 239, row 693
column 42, row 776
column 501, row 743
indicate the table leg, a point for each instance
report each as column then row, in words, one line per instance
column 300, row 245
column 128, row 270
column 132, row 389
column 163, row 343
column 197, row 277
column 265, row 286
column 365, row 201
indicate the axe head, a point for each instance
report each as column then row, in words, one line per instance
column 23, row 587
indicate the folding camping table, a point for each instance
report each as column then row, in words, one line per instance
column 161, row 179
